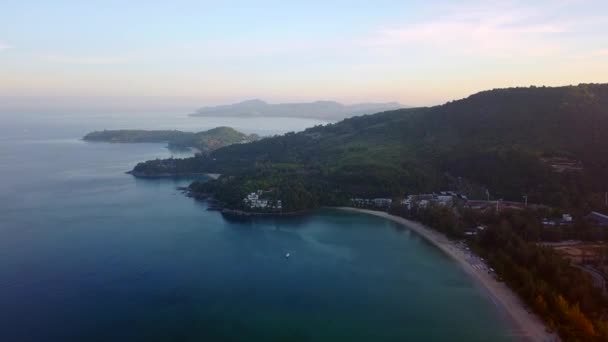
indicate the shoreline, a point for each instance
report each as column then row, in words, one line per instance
column 228, row 212
column 172, row 175
column 241, row 213
column 526, row 326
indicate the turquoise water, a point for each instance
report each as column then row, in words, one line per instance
column 88, row 253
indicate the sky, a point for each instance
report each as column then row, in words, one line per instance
column 142, row 54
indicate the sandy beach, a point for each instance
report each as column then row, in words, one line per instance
column 526, row 326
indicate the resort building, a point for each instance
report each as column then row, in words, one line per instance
column 444, row 198
column 254, row 201
column 372, row 202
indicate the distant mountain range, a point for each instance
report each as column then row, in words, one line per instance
column 325, row 110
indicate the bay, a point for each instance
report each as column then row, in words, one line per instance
column 88, row 253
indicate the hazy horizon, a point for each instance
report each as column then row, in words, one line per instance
column 179, row 105
column 190, row 54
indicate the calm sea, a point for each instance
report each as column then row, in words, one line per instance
column 88, row 253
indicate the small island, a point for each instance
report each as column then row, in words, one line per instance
column 204, row 142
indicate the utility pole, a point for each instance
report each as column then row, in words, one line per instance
column 525, row 201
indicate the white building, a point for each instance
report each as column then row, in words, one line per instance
column 444, row 200
column 382, row 202
column 372, row 202
column 254, row 201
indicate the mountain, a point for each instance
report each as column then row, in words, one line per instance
column 204, row 141
column 325, row 110
column 509, row 141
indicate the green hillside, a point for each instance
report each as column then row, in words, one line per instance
column 504, row 140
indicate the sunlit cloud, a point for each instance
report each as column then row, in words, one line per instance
column 480, row 31
column 598, row 54
column 603, row 52
column 4, row 46
column 87, row 60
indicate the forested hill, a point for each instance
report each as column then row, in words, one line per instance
column 506, row 140
column 205, row 141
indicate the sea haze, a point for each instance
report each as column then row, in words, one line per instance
column 88, row 253
column 74, row 125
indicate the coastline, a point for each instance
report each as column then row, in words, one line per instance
column 241, row 213
column 237, row 212
column 172, row 175
column 525, row 325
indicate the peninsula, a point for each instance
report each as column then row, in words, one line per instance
column 205, row 141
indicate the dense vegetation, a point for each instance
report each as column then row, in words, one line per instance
column 204, row 141
column 496, row 140
column 298, row 191
column 560, row 294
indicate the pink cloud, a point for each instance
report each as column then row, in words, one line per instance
column 479, row 31
column 88, row 60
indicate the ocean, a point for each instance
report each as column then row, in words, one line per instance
column 89, row 253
